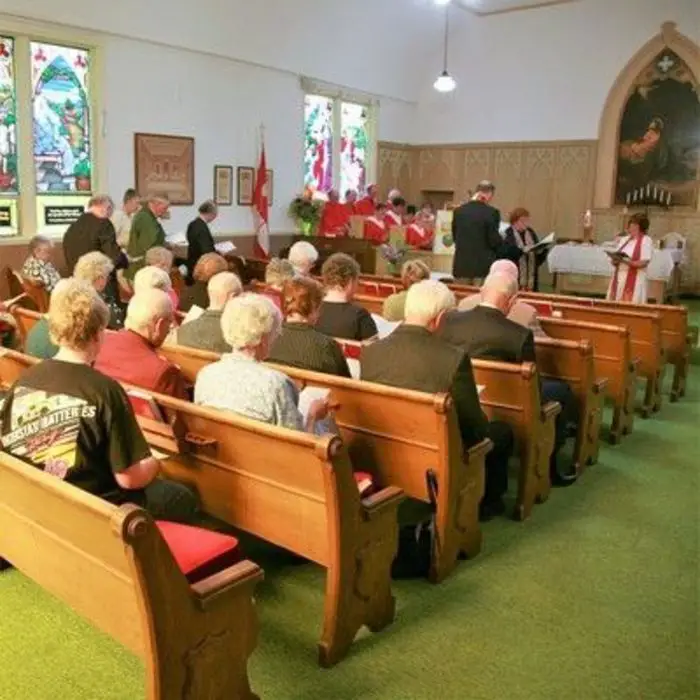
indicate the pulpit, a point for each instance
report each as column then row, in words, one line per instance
column 363, row 251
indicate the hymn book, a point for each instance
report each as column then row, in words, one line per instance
column 546, row 241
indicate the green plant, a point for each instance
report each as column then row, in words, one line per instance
column 306, row 213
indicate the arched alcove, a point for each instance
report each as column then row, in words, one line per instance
column 668, row 39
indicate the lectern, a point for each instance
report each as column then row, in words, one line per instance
column 363, row 251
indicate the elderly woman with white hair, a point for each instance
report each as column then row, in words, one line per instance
column 303, row 256
column 241, row 383
column 96, row 269
column 70, row 420
column 155, row 277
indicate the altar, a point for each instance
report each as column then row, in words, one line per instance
column 584, row 268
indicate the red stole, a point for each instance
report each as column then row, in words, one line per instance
column 631, row 281
column 418, row 236
column 375, row 230
column 391, row 219
column 365, row 207
column 334, row 219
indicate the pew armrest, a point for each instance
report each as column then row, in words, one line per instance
column 221, row 586
column 600, row 385
column 376, row 504
column 550, row 410
column 478, row 451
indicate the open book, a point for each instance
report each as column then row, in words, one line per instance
column 306, row 397
column 617, row 255
column 385, row 328
column 546, row 241
column 224, row 247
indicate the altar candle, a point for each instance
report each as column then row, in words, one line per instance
column 655, row 194
column 587, row 219
column 648, row 189
column 634, row 196
column 628, row 198
column 668, row 200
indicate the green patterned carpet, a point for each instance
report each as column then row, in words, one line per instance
column 595, row 598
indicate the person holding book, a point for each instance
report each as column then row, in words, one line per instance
column 630, row 261
column 521, row 245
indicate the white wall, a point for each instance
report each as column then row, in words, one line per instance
column 216, row 69
column 541, row 74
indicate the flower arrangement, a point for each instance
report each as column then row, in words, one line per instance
column 306, row 212
column 393, row 255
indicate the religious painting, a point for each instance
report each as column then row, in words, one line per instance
column 8, row 119
column 268, row 184
column 223, row 185
column 245, row 185
column 318, row 143
column 354, row 144
column 165, row 165
column 62, row 125
column 659, row 147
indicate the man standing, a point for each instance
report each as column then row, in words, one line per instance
column 351, row 202
column 94, row 232
column 146, row 232
column 121, row 219
column 367, row 206
column 199, row 238
column 475, row 232
column 335, row 218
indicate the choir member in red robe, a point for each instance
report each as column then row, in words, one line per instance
column 367, row 206
column 395, row 213
column 335, row 219
column 351, row 202
column 375, row 229
column 420, row 231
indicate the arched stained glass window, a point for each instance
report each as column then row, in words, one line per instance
column 354, row 144
column 318, row 142
column 61, row 118
column 8, row 119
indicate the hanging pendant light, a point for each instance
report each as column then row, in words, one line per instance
column 445, row 82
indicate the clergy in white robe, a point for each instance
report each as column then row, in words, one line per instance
column 629, row 280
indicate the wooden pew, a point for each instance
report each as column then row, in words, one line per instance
column 289, row 488
column 645, row 338
column 612, row 360
column 398, row 436
column 675, row 333
column 533, row 484
column 573, row 363
column 373, row 304
column 113, row 567
column 25, row 319
column 512, row 394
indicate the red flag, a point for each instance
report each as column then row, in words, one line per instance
column 261, row 209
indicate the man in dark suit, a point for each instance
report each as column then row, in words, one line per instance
column 486, row 333
column 413, row 357
column 199, row 238
column 477, row 241
column 93, row 231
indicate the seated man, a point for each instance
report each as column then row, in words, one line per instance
column 38, row 267
column 521, row 312
column 486, row 333
column 70, row 420
column 205, row 332
column 413, row 357
column 131, row 355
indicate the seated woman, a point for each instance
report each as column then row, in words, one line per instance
column 38, row 267
column 629, row 281
column 95, row 268
column 68, row 419
column 277, row 272
column 412, row 271
column 207, row 266
column 420, row 230
column 518, row 237
column 163, row 259
column 339, row 317
column 300, row 344
column 241, row 383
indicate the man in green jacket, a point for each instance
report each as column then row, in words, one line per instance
column 146, row 232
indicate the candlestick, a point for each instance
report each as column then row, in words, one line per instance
column 668, row 200
column 655, row 197
column 648, row 189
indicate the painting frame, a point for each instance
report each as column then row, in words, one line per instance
column 245, row 185
column 164, row 164
column 223, row 185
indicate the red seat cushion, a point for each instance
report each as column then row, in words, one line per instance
column 365, row 483
column 198, row 552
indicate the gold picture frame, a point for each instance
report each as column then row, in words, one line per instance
column 164, row 164
column 245, row 185
column 223, row 185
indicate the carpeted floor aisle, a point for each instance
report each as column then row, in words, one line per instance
column 595, row 598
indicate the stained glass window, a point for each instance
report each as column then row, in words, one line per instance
column 8, row 119
column 318, row 142
column 353, row 147
column 61, row 118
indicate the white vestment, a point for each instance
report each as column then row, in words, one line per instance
column 639, row 295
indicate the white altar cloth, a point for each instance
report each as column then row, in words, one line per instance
column 584, row 259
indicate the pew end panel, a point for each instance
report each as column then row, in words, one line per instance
column 298, row 492
column 112, row 566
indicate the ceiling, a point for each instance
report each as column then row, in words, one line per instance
column 492, row 7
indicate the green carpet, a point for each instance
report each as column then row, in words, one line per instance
column 595, row 598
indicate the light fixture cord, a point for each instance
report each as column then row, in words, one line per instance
column 447, row 34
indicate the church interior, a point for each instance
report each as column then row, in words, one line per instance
column 582, row 115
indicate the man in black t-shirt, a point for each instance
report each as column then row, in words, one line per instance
column 70, row 420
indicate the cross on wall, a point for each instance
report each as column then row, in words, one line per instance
column 666, row 63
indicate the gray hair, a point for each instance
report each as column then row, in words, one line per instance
column 146, row 307
column 208, row 207
column 303, row 255
column 160, row 257
column 152, row 277
column 92, row 267
column 426, row 300
column 37, row 242
column 77, row 314
column 278, row 272
column 100, row 200
column 222, row 287
column 248, row 319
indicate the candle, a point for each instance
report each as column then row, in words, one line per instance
column 668, row 200
column 655, row 194
column 634, row 196
column 648, row 189
column 627, row 201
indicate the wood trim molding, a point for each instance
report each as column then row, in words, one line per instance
column 609, row 128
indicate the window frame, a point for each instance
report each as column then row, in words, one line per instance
column 23, row 33
column 340, row 95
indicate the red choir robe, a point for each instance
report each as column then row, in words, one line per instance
column 365, row 206
column 419, row 237
column 334, row 220
column 375, row 230
column 391, row 219
column 351, row 207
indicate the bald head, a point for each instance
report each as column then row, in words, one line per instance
column 507, row 268
column 221, row 288
column 499, row 290
column 150, row 314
